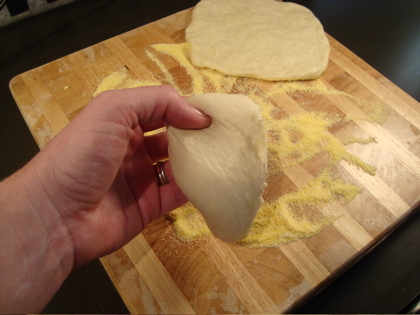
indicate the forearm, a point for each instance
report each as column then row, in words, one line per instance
column 36, row 254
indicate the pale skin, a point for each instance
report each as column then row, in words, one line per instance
column 88, row 192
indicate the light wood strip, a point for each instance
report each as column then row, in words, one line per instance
column 285, row 102
column 306, row 262
column 157, row 278
column 128, row 58
column 45, row 101
column 247, row 289
column 24, row 99
column 346, row 225
column 380, row 190
column 83, row 71
column 383, row 137
column 298, row 175
column 129, row 284
column 377, row 88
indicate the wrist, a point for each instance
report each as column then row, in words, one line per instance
column 38, row 189
column 39, row 253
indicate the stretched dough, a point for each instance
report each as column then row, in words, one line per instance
column 264, row 39
column 221, row 169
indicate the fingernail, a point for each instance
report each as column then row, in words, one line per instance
column 198, row 111
column 202, row 114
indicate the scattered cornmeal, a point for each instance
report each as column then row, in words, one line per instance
column 295, row 136
column 279, row 221
column 121, row 80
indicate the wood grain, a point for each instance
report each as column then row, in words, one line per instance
column 158, row 273
column 162, row 287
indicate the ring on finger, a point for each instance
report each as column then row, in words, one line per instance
column 160, row 171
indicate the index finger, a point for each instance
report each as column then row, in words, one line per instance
column 153, row 103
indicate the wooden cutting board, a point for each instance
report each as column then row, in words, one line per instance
column 156, row 272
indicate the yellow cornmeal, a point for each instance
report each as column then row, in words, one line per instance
column 189, row 223
column 167, row 75
column 284, row 220
column 209, row 80
column 303, row 136
column 292, row 140
column 279, row 221
column 182, row 56
column 120, row 80
column 204, row 80
column 358, row 140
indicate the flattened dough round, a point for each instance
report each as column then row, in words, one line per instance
column 221, row 169
column 263, row 39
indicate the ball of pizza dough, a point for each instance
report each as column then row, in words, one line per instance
column 222, row 169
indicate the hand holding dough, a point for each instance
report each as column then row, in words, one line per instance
column 221, row 169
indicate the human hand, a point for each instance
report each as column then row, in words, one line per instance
column 88, row 192
column 98, row 173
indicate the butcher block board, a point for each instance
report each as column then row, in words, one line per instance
column 158, row 273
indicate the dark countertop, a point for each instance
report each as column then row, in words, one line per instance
column 385, row 33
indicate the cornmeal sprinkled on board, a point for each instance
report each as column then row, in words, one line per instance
column 296, row 135
column 284, row 219
column 281, row 220
column 121, row 80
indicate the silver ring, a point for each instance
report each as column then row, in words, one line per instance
column 162, row 180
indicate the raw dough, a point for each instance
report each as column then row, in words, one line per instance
column 263, row 39
column 221, row 169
